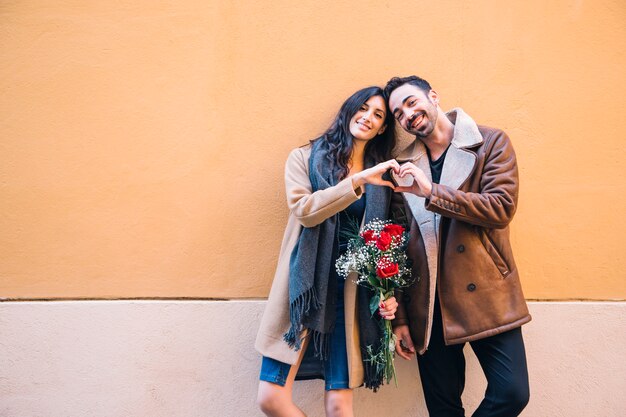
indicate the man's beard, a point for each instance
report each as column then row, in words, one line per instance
column 430, row 125
column 431, row 114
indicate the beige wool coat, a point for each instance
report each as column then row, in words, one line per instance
column 307, row 209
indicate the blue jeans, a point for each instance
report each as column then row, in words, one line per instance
column 334, row 370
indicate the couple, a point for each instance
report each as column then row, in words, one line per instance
column 458, row 193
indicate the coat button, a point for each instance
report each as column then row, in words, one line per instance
column 406, row 298
column 460, row 248
column 471, row 287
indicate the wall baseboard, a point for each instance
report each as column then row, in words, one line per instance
column 196, row 358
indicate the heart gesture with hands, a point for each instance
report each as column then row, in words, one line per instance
column 374, row 175
column 421, row 186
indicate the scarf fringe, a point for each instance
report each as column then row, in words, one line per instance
column 373, row 378
column 321, row 345
column 300, row 306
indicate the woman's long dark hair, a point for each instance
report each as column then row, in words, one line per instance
column 340, row 139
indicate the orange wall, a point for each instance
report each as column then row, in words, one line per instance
column 143, row 143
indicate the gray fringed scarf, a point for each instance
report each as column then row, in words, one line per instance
column 312, row 294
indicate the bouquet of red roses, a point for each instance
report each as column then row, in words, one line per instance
column 378, row 255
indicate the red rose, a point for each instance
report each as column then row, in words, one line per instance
column 384, row 240
column 368, row 236
column 386, row 269
column 394, row 229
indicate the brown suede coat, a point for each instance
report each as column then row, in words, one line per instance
column 460, row 239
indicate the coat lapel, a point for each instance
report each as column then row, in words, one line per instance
column 425, row 219
column 457, row 167
column 459, row 163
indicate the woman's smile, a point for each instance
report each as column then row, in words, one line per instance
column 364, row 126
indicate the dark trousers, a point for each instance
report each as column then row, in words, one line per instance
column 503, row 360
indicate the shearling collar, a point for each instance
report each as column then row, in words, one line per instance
column 466, row 134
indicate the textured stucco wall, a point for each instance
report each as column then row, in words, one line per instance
column 143, row 142
column 195, row 358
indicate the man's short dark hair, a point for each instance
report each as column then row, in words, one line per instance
column 396, row 82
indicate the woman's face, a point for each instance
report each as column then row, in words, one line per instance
column 369, row 120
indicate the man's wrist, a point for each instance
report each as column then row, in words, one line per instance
column 424, row 190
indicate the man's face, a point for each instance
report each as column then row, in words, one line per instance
column 414, row 110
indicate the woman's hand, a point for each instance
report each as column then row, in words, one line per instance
column 388, row 308
column 374, row 175
column 421, row 186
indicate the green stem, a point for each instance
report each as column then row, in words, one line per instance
column 390, row 370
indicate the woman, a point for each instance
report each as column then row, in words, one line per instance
column 330, row 183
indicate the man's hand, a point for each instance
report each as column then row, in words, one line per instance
column 421, row 186
column 404, row 344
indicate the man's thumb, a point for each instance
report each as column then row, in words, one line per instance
column 407, row 342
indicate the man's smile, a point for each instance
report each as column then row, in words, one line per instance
column 416, row 120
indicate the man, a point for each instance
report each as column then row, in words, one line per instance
column 459, row 186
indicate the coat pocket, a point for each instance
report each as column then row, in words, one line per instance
column 493, row 252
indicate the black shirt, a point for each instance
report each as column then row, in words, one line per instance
column 348, row 217
column 437, row 166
